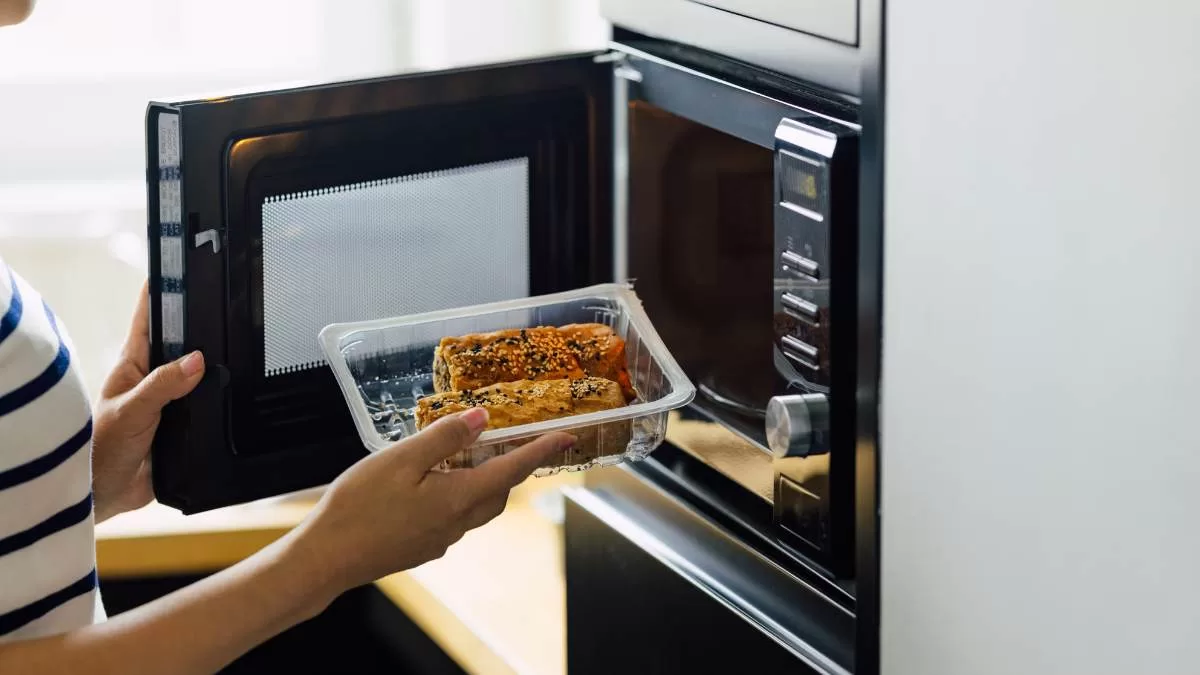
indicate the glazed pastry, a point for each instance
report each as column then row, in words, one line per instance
column 601, row 353
column 512, row 404
column 472, row 361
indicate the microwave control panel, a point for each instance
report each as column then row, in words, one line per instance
column 814, row 309
column 803, row 268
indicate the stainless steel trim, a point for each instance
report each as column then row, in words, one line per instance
column 807, row 213
column 784, row 607
column 803, row 136
column 620, row 164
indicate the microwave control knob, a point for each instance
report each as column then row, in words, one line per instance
column 798, row 425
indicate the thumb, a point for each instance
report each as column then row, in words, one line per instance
column 443, row 438
column 167, row 383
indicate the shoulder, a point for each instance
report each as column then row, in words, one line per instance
column 46, row 532
column 43, row 402
column 28, row 332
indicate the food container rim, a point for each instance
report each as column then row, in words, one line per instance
column 681, row 394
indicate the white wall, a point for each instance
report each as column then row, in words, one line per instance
column 1041, row 395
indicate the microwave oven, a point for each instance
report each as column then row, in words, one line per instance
column 725, row 193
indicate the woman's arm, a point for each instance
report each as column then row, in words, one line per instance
column 388, row 512
column 198, row 629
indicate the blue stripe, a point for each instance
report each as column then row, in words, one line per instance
column 11, row 621
column 72, row 515
column 30, row 391
column 8, row 322
column 47, row 462
column 53, row 319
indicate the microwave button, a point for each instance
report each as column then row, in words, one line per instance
column 797, row 263
column 800, row 348
column 802, row 361
column 801, row 306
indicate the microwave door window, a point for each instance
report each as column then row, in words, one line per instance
column 389, row 247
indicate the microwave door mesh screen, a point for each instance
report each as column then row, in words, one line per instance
column 388, row 248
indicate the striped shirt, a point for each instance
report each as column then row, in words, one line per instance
column 47, row 541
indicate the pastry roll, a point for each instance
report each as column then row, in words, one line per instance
column 601, row 353
column 478, row 360
column 511, row 404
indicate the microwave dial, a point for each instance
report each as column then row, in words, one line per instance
column 798, row 425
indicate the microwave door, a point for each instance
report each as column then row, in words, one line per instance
column 275, row 214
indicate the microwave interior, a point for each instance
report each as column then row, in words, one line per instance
column 279, row 213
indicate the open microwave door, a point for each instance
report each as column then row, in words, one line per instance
column 275, row 214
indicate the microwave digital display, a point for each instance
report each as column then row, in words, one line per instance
column 803, row 183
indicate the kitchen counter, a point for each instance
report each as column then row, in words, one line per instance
column 496, row 602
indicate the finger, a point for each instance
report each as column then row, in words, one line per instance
column 137, row 342
column 167, row 383
column 443, row 438
column 485, row 511
column 500, row 474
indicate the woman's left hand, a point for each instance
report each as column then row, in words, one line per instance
column 127, row 415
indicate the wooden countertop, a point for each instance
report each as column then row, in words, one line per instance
column 496, row 602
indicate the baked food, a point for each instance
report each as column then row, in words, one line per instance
column 512, row 404
column 477, row 360
column 600, row 352
column 469, row 362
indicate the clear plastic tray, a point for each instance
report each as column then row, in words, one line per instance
column 384, row 366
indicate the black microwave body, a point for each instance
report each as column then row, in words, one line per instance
column 724, row 192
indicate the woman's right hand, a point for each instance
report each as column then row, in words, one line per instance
column 392, row 511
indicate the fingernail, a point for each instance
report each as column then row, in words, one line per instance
column 192, row 364
column 567, row 443
column 476, row 419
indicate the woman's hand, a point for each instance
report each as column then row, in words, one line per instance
column 386, row 513
column 391, row 511
column 127, row 415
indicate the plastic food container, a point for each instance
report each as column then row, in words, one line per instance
column 384, row 366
